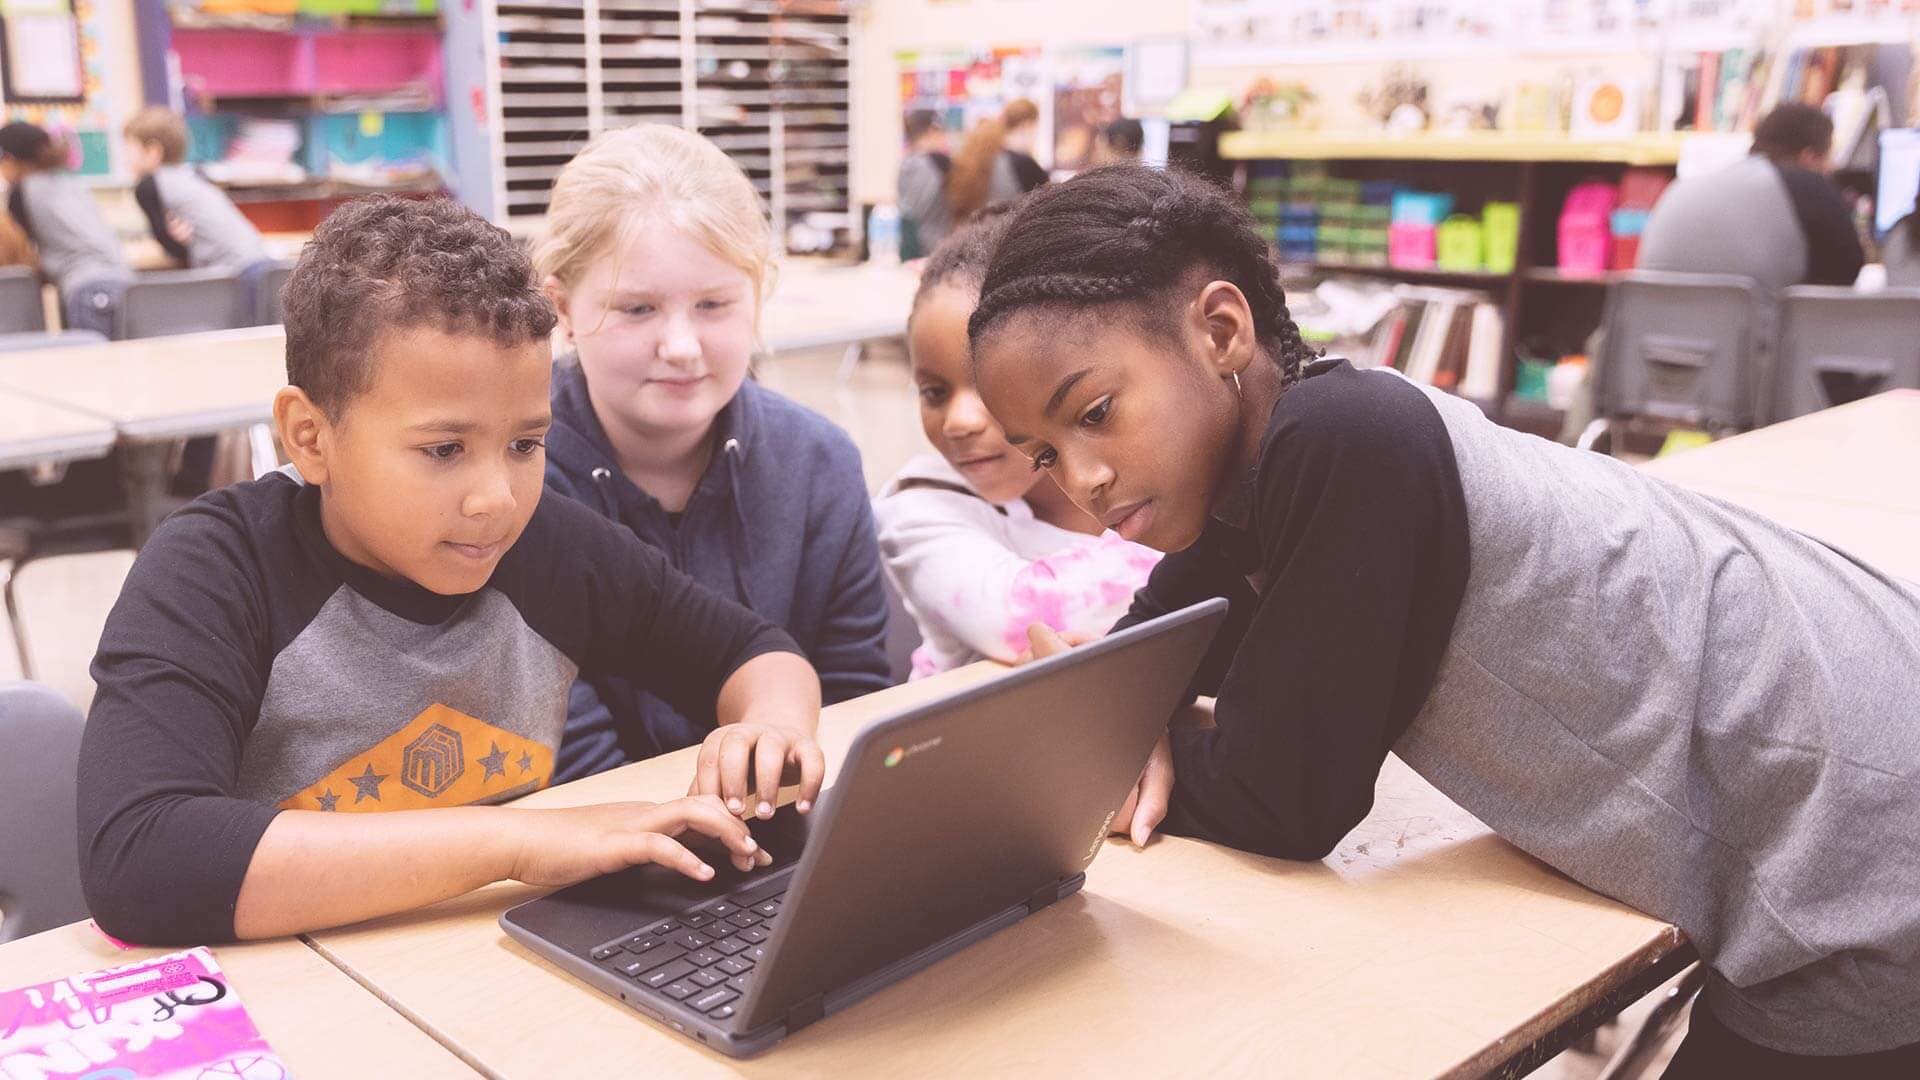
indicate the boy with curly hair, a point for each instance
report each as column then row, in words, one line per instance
column 392, row 622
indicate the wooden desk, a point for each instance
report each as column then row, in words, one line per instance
column 320, row 1022
column 1866, row 454
column 147, row 254
column 1424, row 945
column 34, row 432
column 817, row 304
column 155, row 390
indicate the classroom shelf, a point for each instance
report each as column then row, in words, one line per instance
column 1473, row 279
column 1553, row 275
column 1468, row 146
column 768, row 82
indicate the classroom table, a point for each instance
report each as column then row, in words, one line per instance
column 816, row 303
column 316, row 1018
column 1865, row 453
column 1423, row 945
column 37, row 432
column 155, row 390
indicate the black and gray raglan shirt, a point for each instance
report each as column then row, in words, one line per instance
column 249, row 668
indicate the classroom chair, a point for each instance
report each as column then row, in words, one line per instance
column 1681, row 350
column 182, row 302
column 266, row 295
column 1838, row 345
column 21, row 308
column 58, row 606
column 39, row 858
column 903, row 635
column 49, row 339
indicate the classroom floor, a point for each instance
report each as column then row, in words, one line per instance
column 65, row 600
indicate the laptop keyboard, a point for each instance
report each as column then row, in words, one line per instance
column 703, row 958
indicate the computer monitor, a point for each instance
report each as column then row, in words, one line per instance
column 1899, row 179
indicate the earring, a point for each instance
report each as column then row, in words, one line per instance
column 1236, row 385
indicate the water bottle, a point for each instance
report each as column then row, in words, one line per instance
column 883, row 236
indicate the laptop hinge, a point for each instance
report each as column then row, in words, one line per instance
column 806, row 1012
column 1047, row 895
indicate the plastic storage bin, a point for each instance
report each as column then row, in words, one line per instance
column 1585, row 234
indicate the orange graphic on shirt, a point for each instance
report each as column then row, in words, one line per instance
column 443, row 758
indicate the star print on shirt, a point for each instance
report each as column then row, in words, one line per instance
column 329, row 800
column 495, row 763
column 526, row 762
column 367, row 784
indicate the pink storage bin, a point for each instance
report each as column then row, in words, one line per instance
column 226, row 63
column 364, row 62
column 1586, row 239
column 1411, row 247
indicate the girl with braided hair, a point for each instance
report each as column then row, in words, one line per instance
column 977, row 544
column 1673, row 700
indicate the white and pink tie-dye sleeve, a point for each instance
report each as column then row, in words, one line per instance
column 965, row 585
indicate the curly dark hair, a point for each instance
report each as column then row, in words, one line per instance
column 961, row 259
column 384, row 263
column 1128, row 234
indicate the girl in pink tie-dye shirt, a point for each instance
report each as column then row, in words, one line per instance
column 976, row 542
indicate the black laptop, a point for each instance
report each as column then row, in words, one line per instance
column 949, row 821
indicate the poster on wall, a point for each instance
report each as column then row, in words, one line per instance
column 966, row 86
column 1089, row 85
column 42, row 54
column 85, row 120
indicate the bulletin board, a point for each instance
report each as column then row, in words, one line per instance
column 966, row 86
column 87, row 122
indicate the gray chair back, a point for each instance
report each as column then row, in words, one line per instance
column 183, row 302
column 39, row 828
column 49, row 339
column 1684, row 349
column 21, row 309
column 266, row 295
column 903, row 635
column 1837, row 345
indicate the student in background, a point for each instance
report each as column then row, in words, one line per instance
column 1675, row 701
column 1121, row 143
column 1773, row 217
column 977, row 543
column 996, row 163
column 191, row 218
column 925, row 218
column 657, row 256
column 313, row 682
column 78, row 251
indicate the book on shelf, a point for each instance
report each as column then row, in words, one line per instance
column 1452, row 339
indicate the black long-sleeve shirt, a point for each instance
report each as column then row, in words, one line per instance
column 1834, row 255
column 248, row 668
column 1345, row 558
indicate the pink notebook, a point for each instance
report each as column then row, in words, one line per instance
column 175, row 1017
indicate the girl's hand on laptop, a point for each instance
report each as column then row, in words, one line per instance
column 1146, row 808
column 744, row 764
column 561, row 847
column 1044, row 641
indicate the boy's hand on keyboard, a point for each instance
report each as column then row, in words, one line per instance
column 560, row 847
column 745, row 764
column 1146, row 808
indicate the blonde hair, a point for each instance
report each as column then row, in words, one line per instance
column 161, row 125
column 627, row 175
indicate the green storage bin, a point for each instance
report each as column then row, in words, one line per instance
column 1500, row 235
column 1457, row 244
column 1530, row 380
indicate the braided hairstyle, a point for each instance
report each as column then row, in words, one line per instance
column 1128, row 233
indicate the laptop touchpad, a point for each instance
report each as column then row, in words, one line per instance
column 582, row 916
